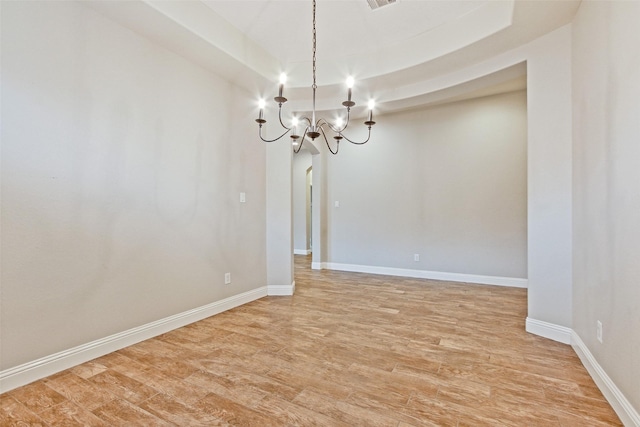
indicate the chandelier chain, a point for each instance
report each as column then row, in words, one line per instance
column 314, row 86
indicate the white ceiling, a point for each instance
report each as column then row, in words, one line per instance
column 344, row 28
column 396, row 53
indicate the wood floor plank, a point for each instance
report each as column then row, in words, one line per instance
column 69, row 414
column 234, row 413
column 242, row 394
column 347, row 349
column 37, row 396
column 123, row 386
column 79, row 391
column 286, row 413
column 120, row 412
column 14, row 413
column 173, row 411
column 342, row 411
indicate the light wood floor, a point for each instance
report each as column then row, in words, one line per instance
column 348, row 349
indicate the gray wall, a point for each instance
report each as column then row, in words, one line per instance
column 448, row 183
column 606, row 184
column 549, row 185
column 301, row 237
column 122, row 165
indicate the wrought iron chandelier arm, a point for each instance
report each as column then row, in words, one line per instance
column 305, row 119
column 356, row 142
column 271, row 140
column 327, row 142
column 322, row 122
column 346, row 122
column 280, row 117
column 296, row 151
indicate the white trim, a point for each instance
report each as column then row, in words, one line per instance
column 319, row 265
column 302, row 251
column 281, row 290
column 628, row 415
column 549, row 330
column 31, row 371
column 434, row 275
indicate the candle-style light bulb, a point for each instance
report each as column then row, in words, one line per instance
column 350, row 82
column 283, row 80
column 261, row 105
column 294, row 125
column 372, row 104
column 349, row 103
column 339, row 123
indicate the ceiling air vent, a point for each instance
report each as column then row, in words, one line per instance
column 377, row 4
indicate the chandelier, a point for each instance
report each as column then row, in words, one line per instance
column 314, row 128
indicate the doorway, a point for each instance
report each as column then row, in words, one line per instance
column 302, row 203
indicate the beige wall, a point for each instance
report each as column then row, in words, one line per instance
column 301, row 236
column 448, row 183
column 606, row 185
column 279, row 219
column 549, row 185
column 122, row 165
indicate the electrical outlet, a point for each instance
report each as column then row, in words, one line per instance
column 416, row 257
column 243, row 197
column 599, row 331
column 227, row 278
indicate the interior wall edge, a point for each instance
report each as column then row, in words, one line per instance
column 621, row 405
column 37, row 369
column 281, row 290
column 548, row 330
column 319, row 265
column 627, row 413
column 514, row 282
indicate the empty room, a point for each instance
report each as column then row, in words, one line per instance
column 315, row 212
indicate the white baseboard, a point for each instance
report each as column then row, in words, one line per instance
column 302, row 251
column 31, row 371
column 281, row 290
column 318, row 265
column 549, row 330
column 434, row 275
column 628, row 415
